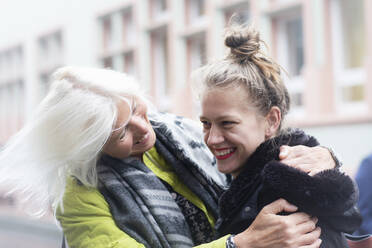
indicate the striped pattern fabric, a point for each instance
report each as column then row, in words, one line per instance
column 141, row 204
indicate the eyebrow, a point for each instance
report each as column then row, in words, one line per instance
column 133, row 106
column 219, row 118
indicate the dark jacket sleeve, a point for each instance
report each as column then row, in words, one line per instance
column 363, row 179
column 330, row 195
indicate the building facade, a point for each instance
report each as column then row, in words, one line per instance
column 324, row 46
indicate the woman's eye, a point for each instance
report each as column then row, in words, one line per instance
column 227, row 123
column 123, row 134
column 134, row 108
column 206, row 124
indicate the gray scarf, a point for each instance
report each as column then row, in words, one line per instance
column 141, row 205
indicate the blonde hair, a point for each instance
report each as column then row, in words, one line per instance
column 246, row 65
column 66, row 133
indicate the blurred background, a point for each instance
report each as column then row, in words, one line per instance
column 324, row 45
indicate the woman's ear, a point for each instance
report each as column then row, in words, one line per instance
column 273, row 120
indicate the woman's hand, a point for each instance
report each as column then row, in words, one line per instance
column 270, row 230
column 311, row 160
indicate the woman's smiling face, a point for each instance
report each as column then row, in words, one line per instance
column 138, row 137
column 232, row 127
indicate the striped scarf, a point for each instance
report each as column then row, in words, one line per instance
column 140, row 203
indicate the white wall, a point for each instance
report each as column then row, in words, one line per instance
column 23, row 22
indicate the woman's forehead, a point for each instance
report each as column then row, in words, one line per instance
column 126, row 107
column 124, row 113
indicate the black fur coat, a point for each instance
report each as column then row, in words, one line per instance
column 329, row 195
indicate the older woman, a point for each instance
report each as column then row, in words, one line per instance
column 120, row 179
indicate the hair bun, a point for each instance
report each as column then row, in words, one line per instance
column 234, row 41
column 244, row 42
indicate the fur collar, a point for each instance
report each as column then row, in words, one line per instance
column 329, row 190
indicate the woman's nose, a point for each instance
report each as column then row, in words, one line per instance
column 214, row 137
column 138, row 125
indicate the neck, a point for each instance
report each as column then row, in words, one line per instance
column 139, row 156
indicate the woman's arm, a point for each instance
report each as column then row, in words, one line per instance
column 329, row 192
column 87, row 222
column 270, row 230
column 363, row 179
column 311, row 160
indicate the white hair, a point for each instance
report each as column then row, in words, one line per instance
column 66, row 134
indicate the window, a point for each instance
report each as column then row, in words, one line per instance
column 3, row 63
column 50, row 50
column 158, row 8
column 129, row 66
column 296, row 99
column 159, row 45
column 16, row 62
column 349, row 51
column 353, row 93
column 11, row 92
column 128, row 28
column 196, row 51
column 288, row 35
column 107, row 62
column 12, row 111
column 289, row 45
column 7, row 200
column 4, row 104
column 44, row 84
column 106, row 33
column 353, row 33
column 195, row 9
column 240, row 13
column 119, row 39
column 19, row 105
column 50, row 57
column 294, row 34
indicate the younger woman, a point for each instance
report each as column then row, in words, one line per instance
column 244, row 102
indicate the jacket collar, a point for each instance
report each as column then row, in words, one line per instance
column 249, row 179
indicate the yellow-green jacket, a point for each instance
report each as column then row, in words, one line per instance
column 87, row 221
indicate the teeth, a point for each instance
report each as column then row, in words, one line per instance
column 142, row 139
column 224, row 152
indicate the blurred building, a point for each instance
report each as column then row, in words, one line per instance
column 324, row 45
